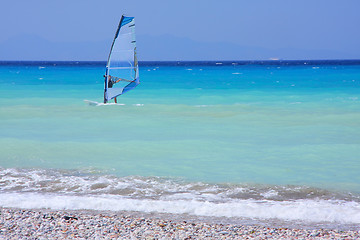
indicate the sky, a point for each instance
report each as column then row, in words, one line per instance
column 182, row 30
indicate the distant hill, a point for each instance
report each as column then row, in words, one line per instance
column 30, row 47
column 152, row 48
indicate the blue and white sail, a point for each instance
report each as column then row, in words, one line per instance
column 122, row 70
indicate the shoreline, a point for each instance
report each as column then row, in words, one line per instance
column 84, row 224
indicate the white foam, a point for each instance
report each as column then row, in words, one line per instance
column 269, row 194
column 72, row 190
column 303, row 210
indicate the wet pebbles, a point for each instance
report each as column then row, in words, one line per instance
column 45, row 224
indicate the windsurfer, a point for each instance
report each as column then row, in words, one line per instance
column 122, row 68
column 111, row 82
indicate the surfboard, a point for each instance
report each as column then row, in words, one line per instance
column 96, row 104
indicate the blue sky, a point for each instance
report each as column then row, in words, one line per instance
column 182, row 30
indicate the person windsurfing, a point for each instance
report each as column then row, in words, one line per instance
column 112, row 80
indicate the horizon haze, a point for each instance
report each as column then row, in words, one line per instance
column 180, row 31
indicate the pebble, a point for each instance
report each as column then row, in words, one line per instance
column 46, row 224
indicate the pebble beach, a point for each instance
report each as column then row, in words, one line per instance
column 46, row 224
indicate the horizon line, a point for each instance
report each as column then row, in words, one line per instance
column 248, row 60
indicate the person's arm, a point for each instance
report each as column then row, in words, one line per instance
column 116, row 80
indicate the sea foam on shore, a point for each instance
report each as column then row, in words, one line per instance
column 290, row 206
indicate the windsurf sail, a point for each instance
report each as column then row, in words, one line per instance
column 122, row 70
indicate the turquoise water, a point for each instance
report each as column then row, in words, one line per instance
column 270, row 131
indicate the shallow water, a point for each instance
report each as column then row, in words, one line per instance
column 258, row 140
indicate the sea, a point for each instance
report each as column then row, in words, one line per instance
column 246, row 142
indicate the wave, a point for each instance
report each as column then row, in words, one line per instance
column 303, row 210
column 94, row 190
column 95, row 182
